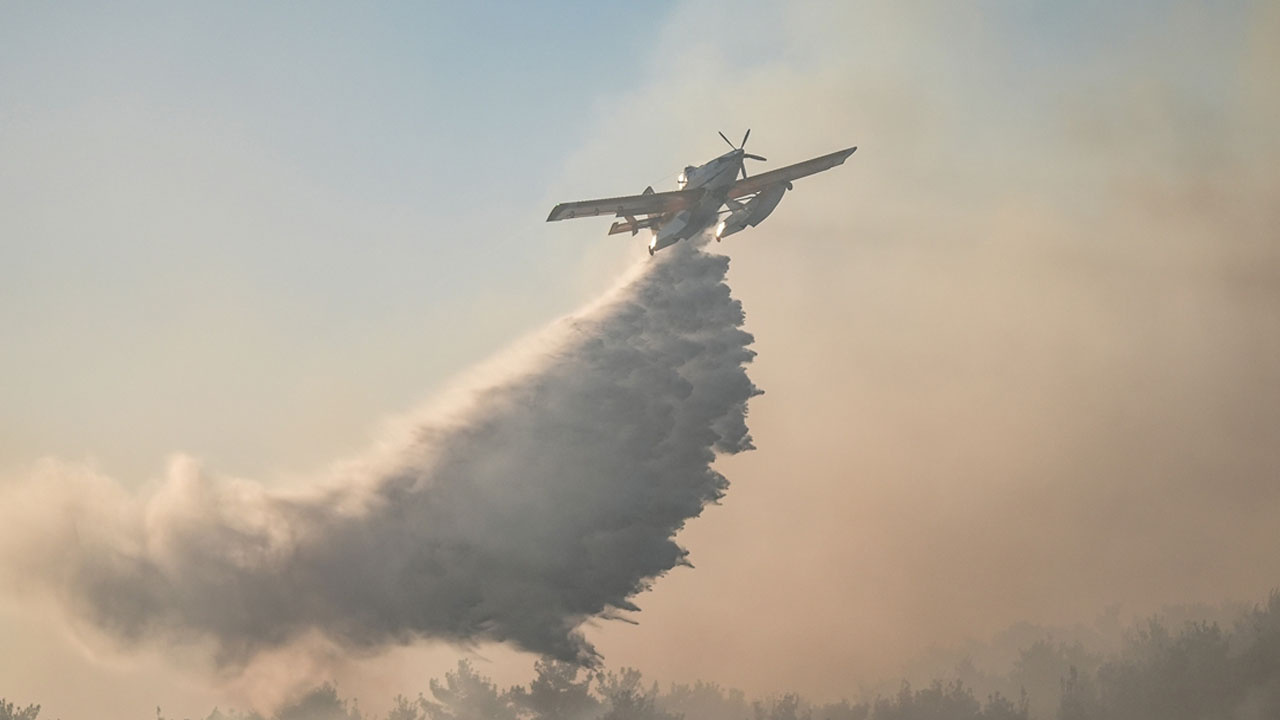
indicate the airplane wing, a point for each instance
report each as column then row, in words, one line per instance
column 630, row 205
column 756, row 183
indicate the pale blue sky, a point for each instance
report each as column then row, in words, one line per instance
column 302, row 186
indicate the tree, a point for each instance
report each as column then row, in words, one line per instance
column 406, row 709
column 707, row 701
column 1258, row 664
column 784, row 707
column 556, row 693
column 843, row 710
column 949, row 701
column 626, row 699
column 1160, row 675
column 9, row 711
column 1078, row 699
column 1042, row 669
column 218, row 714
column 467, row 695
column 322, row 703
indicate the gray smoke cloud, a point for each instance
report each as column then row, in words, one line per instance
column 552, row 498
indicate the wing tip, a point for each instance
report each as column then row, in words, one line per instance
column 843, row 155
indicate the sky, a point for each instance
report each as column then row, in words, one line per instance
column 1018, row 353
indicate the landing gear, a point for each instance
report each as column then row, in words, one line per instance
column 650, row 251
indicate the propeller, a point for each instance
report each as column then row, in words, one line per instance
column 740, row 148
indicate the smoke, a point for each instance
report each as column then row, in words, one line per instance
column 551, row 498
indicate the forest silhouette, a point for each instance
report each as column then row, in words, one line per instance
column 1205, row 669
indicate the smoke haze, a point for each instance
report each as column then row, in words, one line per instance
column 1020, row 352
column 550, row 498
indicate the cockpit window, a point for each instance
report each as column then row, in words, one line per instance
column 683, row 178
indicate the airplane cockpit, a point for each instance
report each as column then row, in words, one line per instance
column 683, row 178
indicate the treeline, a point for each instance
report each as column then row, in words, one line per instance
column 1202, row 670
column 566, row 692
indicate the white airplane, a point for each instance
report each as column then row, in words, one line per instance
column 706, row 192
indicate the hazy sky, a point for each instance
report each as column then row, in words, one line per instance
column 1020, row 353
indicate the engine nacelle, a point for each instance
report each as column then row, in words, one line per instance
column 753, row 212
column 669, row 233
column 765, row 202
column 736, row 221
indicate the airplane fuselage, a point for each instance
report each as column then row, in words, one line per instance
column 715, row 177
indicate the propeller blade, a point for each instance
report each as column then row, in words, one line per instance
column 735, row 147
column 744, row 171
column 754, row 157
column 744, row 138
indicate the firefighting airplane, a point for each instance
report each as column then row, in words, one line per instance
column 704, row 190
